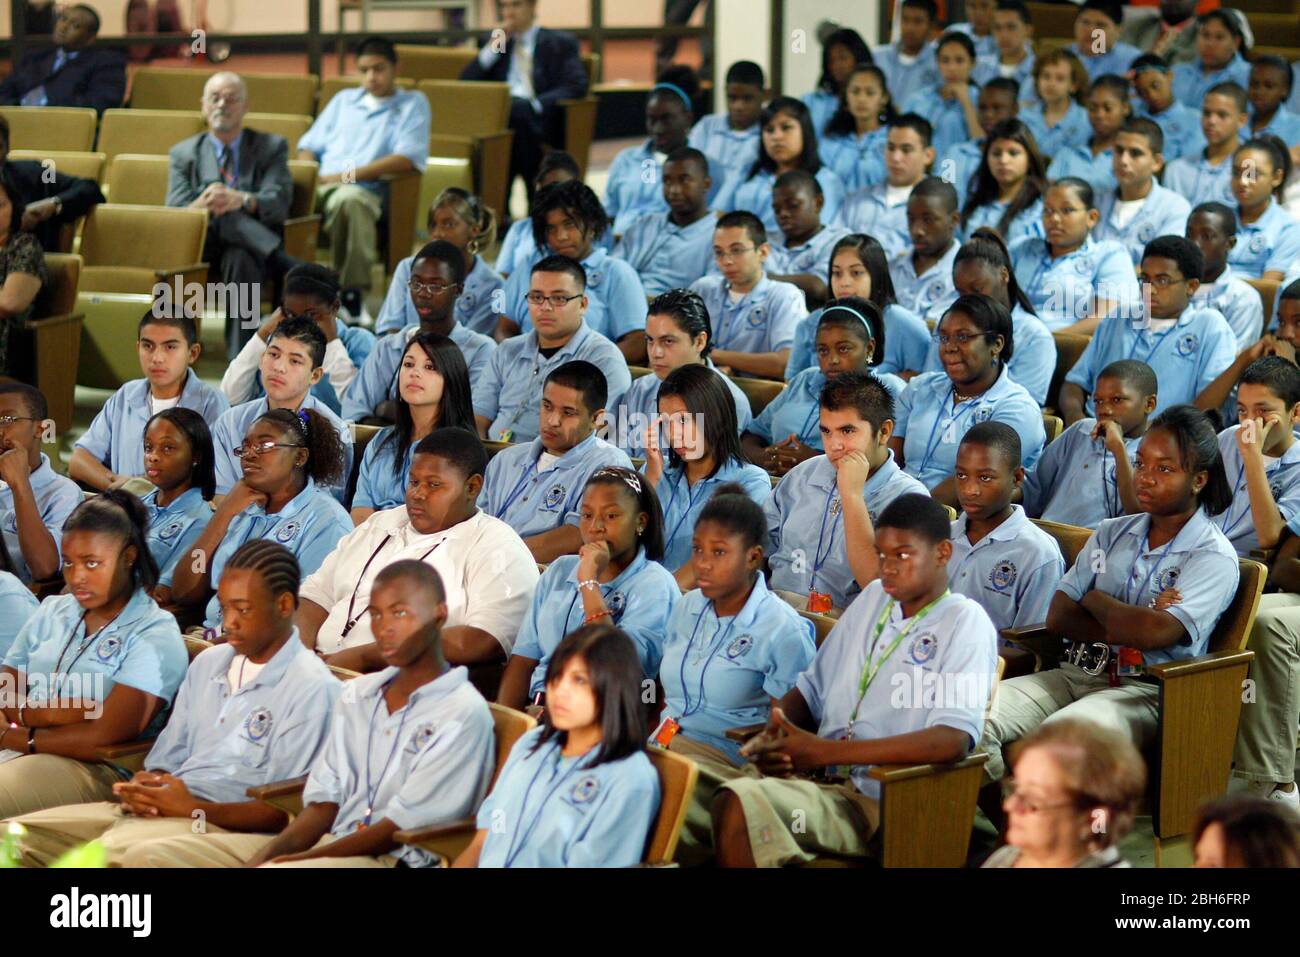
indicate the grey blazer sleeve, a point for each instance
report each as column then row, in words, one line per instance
column 182, row 183
column 272, row 183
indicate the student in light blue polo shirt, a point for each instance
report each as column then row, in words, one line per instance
column 983, row 266
column 840, row 494
column 1006, row 192
column 961, row 161
column 251, row 711
column 1057, row 116
column 858, row 268
column 616, row 578
column 799, row 257
column 1270, row 86
column 1188, row 347
column 880, row 211
column 290, row 460
column 1095, row 19
column 1179, row 123
column 1167, row 577
column 786, row 432
column 518, row 248
column 949, row 103
column 999, row 558
column 509, row 394
column 597, row 794
column 106, row 642
column 568, row 220
column 1220, row 43
column 842, row 50
column 1139, row 209
column 922, row 272
column 1076, row 480
column 670, row 250
column 678, row 332
column 730, row 139
column 433, row 392
column 1073, row 280
column 167, row 343
column 436, row 730
column 1109, row 106
column 979, row 25
column 34, row 499
column 692, row 398
column 17, row 603
column 290, row 366
column 1006, row 52
column 909, row 61
column 975, row 344
column 460, row 218
column 178, row 460
column 864, row 701
column 536, row 487
column 1268, row 237
column 788, row 141
column 1213, row 228
column 852, row 141
column 436, row 279
column 754, row 317
column 361, row 135
column 1206, row 176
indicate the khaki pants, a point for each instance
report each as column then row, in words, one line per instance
column 1022, row 704
column 34, row 782
column 351, row 220
column 695, row 843
column 1266, row 737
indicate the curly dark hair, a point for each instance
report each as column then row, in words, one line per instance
column 574, row 198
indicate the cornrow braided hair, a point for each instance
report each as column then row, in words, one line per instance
column 275, row 563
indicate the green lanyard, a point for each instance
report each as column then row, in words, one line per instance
column 868, row 671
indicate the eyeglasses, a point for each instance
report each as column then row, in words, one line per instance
column 428, row 288
column 1161, row 282
column 734, row 253
column 222, row 97
column 247, row 451
column 8, row 420
column 1011, row 793
column 961, row 338
column 555, row 302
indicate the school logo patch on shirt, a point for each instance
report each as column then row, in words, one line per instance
column 983, row 413
column 107, row 649
column 616, row 602
column 740, row 647
column 258, row 724
column 1083, row 265
column 1257, row 243
column 1187, row 344
column 467, row 300
column 1003, row 576
column 1146, row 232
column 1275, row 489
column 286, row 532
column 1168, row 578
column 924, row 648
column 585, row 791
column 420, row 737
column 554, row 497
column 935, row 290
column 755, row 318
column 169, row 532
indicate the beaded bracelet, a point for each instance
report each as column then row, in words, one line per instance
column 588, row 583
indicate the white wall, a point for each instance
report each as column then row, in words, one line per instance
column 803, row 54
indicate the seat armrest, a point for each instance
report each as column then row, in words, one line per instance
column 1168, row 670
column 745, row 732
column 886, row 773
column 277, row 789
column 436, row 832
column 115, row 753
column 1038, row 641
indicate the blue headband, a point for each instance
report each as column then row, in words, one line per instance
column 679, row 91
column 849, row 309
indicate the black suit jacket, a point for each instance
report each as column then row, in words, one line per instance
column 76, row 194
column 558, row 73
column 96, row 78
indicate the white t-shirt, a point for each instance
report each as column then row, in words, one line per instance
column 1125, row 210
column 156, row 405
column 1158, row 326
column 897, row 195
column 546, row 460
column 242, row 671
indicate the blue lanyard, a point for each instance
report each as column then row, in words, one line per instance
column 1236, row 490
column 1112, row 504
column 1152, row 351
column 1160, row 560
column 370, row 737
column 511, row 851
column 818, row 558
column 690, row 503
column 714, row 645
column 728, row 310
column 519, row 486
column 804, row 434
column 953, row 415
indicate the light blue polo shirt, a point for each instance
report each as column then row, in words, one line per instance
column 1098, row 170
column 1181, row 126
column 640, row 600
column 797, row 409
column 988, row 66
column 475, row 309
column 905, row 78
column 546, row 810
column 1200, row 181
column 635, row 186
column 348, row 134
column 1198, row 561
column 810, row 258
column 1285, row 125
column 1191, row 82
column 857, row 159
column 806, row 527
column 1185, row 358
column 532, row 502
column 518, row 249
column 1162, row 213
column 221, row 742
column 985, row 46
column 509, row 392
column 376, row 380
column 928, row 294
column 432, row 758
column 734, row 150
column 1074, row 481
column 1237, row 301
column 958, row 166
column 907, row 340
column 1283, row 473
column 1012, row 571
column 822, row 105
column 56, row 496
column 1061, row 288
column 932, row 428
column 1033, row 356
column 947, row 117
column 721, row 673
column 867, row 211
column 754, row 194
column 665, row 255
column 1270, row 242
column 173, row 529
column 683, row 502
column 1118, row 59
column 116, row 434
column 231, row 428
column 953, row 647
column 141, row 648
column 763, row 320
column 640, row 404
column 1072, row 130
column 616, row 300
column 1026, row 224
column 310, row 524
column 379, row 486
column 17, row 605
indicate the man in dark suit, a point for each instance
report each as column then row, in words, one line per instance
column 52, row 199
column 542, row 67
column 72, row 72
column 241, row 177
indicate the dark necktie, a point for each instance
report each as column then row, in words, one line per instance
column 225, row 165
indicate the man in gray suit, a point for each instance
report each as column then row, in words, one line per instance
column 241, row 177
